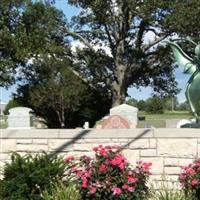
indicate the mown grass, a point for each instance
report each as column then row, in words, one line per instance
column 3, row 122
column 159, row 120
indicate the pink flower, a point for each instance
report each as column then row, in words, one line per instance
column 194, row 182
column 147, row 166
column 122, row 166
column 132, row 179
column 190, row 171
column 84, row 183
column 92, row 190
column 131, row 189
column 74, row 169
column 116, row 191
column 102, row 168
column 130, row 172
column 103, row 152
column 125, row 186
column 86, row 158
column 87, row 174
column 117, row 160
column 182, row 176
column 128, row 188
column 69, row 158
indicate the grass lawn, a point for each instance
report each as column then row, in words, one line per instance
column 3, row 122
column 158, row 120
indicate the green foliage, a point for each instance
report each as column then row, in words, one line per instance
column 62, row 98
column 170, row 103
column 28, row 29
column 169, row 194
column 11, row 104
column 132, row 102
column 32, row 28
column 154, row 105
column 166, row 191
column 26, row 177
column 131, row 62
column 48, row 79
column 141, row 105
column 184, row 106
column 61, row 191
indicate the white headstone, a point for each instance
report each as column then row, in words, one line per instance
column 128, row 112
column 19, row 118
column 86, row 125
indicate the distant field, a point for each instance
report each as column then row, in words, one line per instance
column 158, row 120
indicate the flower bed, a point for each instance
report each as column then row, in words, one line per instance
column 109, row 175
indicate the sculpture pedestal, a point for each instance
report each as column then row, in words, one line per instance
column 191, row 125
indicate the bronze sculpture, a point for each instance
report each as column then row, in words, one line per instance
column 191, row 66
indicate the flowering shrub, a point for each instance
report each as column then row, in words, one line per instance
column 109, row 175
column 190, row 179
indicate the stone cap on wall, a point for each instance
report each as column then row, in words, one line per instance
column 101, row 133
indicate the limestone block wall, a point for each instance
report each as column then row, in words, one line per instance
column 167, row 149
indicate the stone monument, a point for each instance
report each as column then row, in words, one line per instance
column 122, row 116
column 20, row 118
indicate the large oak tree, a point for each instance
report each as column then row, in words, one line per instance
column 131, row 33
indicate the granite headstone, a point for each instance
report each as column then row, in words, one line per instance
column 122, row 116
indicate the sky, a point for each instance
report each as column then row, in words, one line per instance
column 139, row 94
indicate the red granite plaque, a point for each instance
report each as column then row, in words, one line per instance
column 115, row 121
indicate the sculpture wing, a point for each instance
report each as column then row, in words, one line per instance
column 182, row 58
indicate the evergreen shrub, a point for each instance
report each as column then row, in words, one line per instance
column 25, row 177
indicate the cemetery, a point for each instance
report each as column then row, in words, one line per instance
column 73, row 128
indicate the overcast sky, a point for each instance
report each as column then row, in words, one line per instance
column 142, row 93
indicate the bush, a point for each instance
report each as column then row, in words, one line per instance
column 141, row 118
column 190, row 179
column 62, row 192
column 109, row 176
column 154, row 105
column 26, row 177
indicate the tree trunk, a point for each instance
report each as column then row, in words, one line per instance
column 119, row 87
column 119, row 95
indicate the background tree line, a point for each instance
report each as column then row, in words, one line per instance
column 157, row 105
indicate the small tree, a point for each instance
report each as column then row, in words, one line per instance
column 53, row 90
column 59, row 96
column 154, row 105
column 141, row 105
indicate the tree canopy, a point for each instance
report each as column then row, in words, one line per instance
column 59, row 96
column 122, row 48
column 132, row 32
column 46, row 76
column 28, row 29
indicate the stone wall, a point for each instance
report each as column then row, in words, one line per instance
column 167, row 149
